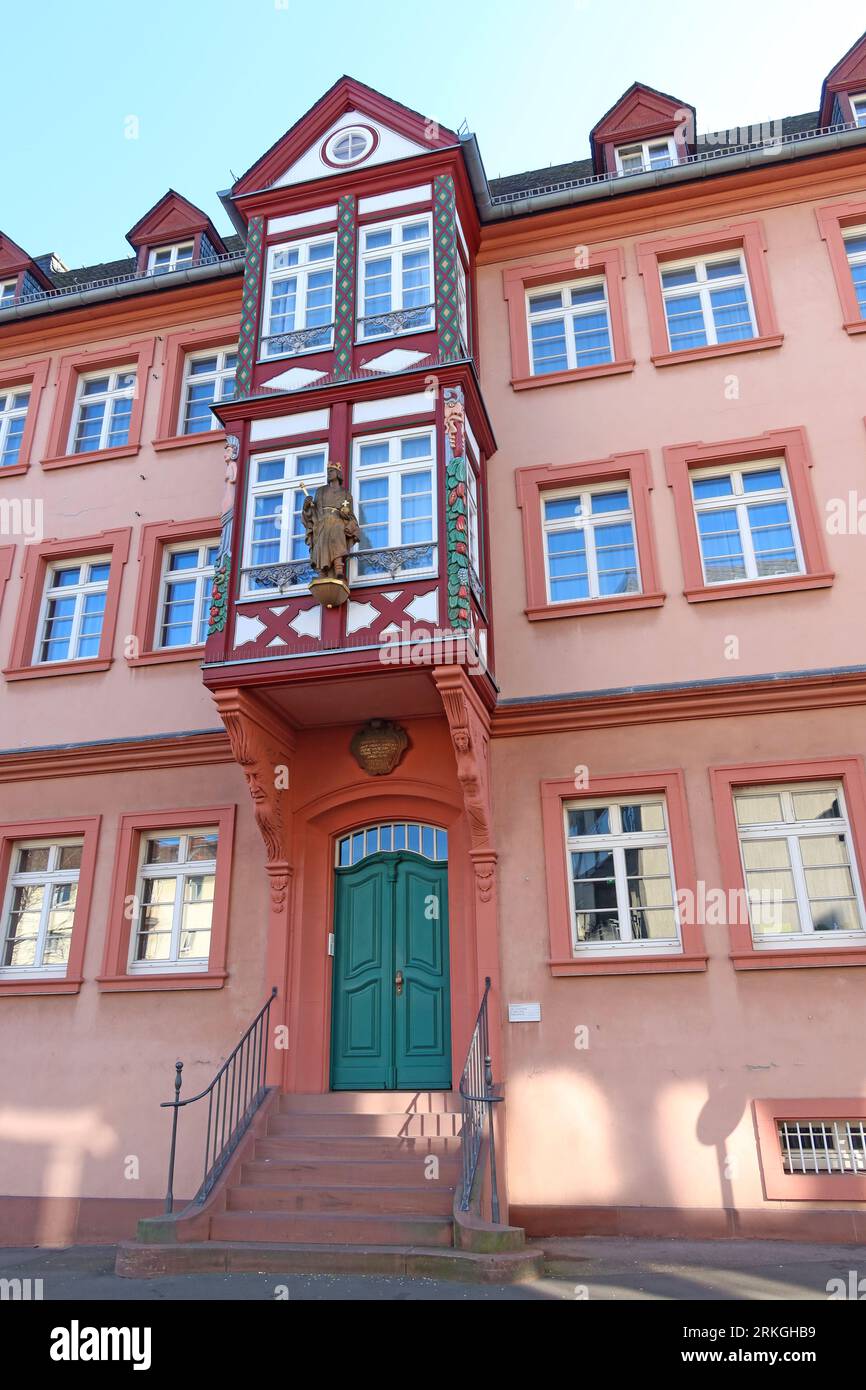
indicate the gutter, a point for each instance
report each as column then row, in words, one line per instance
column 702, row 168
column 124, row 289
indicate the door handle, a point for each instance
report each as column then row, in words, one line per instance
column 398, row 982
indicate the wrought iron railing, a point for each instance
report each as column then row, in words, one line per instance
column 366, row 566
column 233, row 1097
column 395, row 321
column 299, row 340
column 478, row 1096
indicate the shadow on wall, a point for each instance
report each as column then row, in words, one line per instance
column 69, row 1138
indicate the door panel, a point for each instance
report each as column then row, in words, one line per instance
column 391, row 915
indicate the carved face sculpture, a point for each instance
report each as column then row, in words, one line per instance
column 257, row 792
column 232, row 448
column 462, row 740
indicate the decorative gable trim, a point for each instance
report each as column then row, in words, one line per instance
column 15, row 262
column 641, row 113
column 171, row 219
column 847, row 78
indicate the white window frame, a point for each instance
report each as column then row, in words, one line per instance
column 618, row 841
column 855, row 257
column 221, row 374
column 793, row 831
column 858, row 108
column 301, row 273
column 643, row 148
column 287, row 486
column 8, row 413
column 587, row 523
column 180, row 870
column 175, row 250
column 50, row 877
column 352, row 132
column 394, row 470
column 702, row 287
column 740, row 500
column 109, row 396
column 202, row 574
column 7, row 299
column 80, row 592
column 568, row 313
column 395, row 252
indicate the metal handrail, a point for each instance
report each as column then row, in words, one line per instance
column 239, row 1088
column 478, row 1096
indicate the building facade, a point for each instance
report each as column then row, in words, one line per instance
column 589, row 723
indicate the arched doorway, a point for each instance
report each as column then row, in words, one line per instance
column 391, row 997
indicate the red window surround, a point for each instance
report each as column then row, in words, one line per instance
column 7, row 553
column 138, row 354
column 37, row 558
column 155, row 536
column 748, row 237
column 532, row 483
column 833, row 218
column 86, row 827
column 724, row 781
column 34, row 375
column 805, row 1187
column 177, row 345
column 680, row 459
column 115, row 976
column 553, row 796
column 519, row 279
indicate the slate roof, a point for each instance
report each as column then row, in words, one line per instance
column 88, row 275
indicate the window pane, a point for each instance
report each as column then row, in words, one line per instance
column 588, row 820
column 650, row 816
column 817, row 805
column 164, row 850
column 758, row 808
column 70, row 857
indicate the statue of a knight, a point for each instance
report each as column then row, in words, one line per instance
column 330, row 525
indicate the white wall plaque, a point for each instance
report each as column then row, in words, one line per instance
column 524, row 1013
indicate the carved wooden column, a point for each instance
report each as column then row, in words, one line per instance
column 469, row 722
column 264, row 745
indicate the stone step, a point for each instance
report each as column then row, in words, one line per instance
column 369, row 1102
column 444, row 1125
column 330, row 1228
column 433, row 1199
column 370, row 1148
column 323, row 1172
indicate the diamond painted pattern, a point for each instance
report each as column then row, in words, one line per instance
column 250, row 307
column 445, row 266
column 344, row 311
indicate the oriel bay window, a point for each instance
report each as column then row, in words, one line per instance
column 589, row 543
column 799, row 865
column 73, row 609
column 14, row 404
column 395, row 272
column 185, row 594
column 39, row 907
column 175, row 898
column 569, row 326
column 707, row 301
column 102, row 411
column 392, row 484
column 745, row 522
column 299, row 298
column 208, row 377
column 621, row 878
column 275, row 529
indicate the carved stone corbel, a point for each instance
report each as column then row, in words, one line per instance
column 469, row 723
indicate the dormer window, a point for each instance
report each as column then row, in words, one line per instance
column 858, row 109
column 349, row 145
column 7, row 293
column 163, row 259
column 299, row 299
column 646, row 155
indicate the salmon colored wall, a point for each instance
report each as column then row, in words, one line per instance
column 813, row 380
column 658, row 1108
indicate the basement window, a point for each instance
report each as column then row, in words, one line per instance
column 823, row 1146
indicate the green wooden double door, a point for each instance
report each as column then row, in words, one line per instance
column 391, row 1010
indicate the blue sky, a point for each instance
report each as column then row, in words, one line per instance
column 214, row 82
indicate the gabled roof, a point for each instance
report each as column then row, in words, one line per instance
column 13, row 259
column 642, row 111
column 171, row 218
column 347, row 94
column 849, row 72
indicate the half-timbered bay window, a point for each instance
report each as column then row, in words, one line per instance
column 102, row 410
column 39, row 907
column 621, row 877
column 589, row 543
column 569, row 326
column 299, row 298
column 799, row 865
column 13, row 417
column 745, row 522
column 208, row 377
column 646, row 155
column 275, row 553
column 163, row 259
column 175, row 895
column 707, row 301
column 392, row 483
column 184, row 596
column 73, row 608
column 396, row 279
column 855, row 250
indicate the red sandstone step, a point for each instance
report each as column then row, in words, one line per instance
column 330, row 1228
column 433, row 1199
column 444, row 1125
column 369, row 1102
column 390, row 1173
column 370, row 1148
